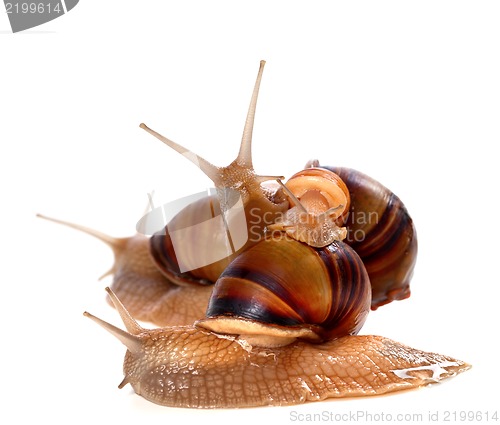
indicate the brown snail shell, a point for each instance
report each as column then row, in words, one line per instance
column 282, row 289
column 164, row 254
column 382, row 232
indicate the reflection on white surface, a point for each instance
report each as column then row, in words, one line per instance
column 437, row 370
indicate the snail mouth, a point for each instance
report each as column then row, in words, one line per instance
column 274, row 193
column 274, row 197
column 256, row 334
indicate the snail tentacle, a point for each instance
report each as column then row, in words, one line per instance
column 112, row 242
column 239, row 174
column 211, row 171
column 130, row 341
column 244, row 157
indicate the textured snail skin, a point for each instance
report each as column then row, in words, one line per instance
column 146, row 292
column 382, row 233
column 188, row 367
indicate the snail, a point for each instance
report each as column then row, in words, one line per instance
column 279, row 324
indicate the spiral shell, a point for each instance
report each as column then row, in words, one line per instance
column 281, row 289
column 381, row 231
column 180, row 262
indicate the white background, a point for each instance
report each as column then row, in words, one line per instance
column 408, row 92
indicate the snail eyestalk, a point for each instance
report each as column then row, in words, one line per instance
column 210, row 170
column 333, row 212
column 294, row 199
column 108, row 240
column 245, row 154
column 130, row 341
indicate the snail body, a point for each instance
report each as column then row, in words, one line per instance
column 188, row 367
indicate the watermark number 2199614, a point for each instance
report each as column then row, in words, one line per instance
column 27, row 14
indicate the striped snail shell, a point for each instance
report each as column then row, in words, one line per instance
column 381, row 231
column 242, row 201
column 281, row 289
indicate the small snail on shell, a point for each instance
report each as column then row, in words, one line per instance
column 281, row 320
